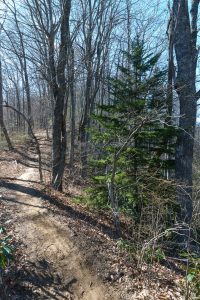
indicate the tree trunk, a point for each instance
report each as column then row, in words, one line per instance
column 85, row 122
column 73, row 107
column 3, row 128
column 59, row 142
column 60, row 97
column 185, row 37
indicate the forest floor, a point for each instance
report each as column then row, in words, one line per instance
column 63, row 250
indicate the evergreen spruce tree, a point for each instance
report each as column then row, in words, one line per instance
column 133, row 142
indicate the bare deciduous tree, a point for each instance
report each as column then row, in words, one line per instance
column 184, row 40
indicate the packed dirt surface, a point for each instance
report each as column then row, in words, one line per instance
column 64, row 250
column 60, row 269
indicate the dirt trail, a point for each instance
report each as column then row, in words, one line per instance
column 59, row 271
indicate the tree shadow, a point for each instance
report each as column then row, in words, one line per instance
column 14, row 179
column 6, row 159
column 11, row 199
column 70, row 212
column 26, row 164
column 25, row 156
column 27, row 160
column 46, row 166
column 37, row 280
column 173, row 266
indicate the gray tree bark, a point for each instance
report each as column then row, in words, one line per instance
column 3, row 127
column 185, row 39
column 60, row 96
column 73, row 109
column 53, row 33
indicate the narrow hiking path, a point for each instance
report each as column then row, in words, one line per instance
column 59, row 270
column 64, row 250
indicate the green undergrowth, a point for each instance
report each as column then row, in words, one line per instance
column 191, row 281
column 6, row 248
column 91, row 201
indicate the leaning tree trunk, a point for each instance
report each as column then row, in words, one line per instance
column 185, row 38
column 37, row 145
column 3, row 127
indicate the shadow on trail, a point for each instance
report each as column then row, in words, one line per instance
column 10, row 199
column 70, row 212
column 25, row 156
column 40, row 276
column 45, row 167
column 27, row 160
column 7, row 159
column 14, row 179
column 22, row 162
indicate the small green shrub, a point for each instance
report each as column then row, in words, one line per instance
column 94, row 199
column 126, row 245
column 192, row 275
column 6, row 248
column 152, row 255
